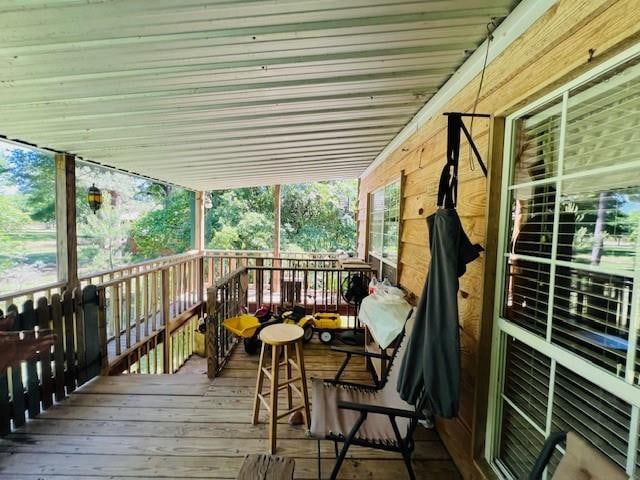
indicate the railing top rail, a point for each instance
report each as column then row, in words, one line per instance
column 30, row 291
column 162, row 260
column 269, row 254
column 124, row 278
column 310, row 269
column 228, row 277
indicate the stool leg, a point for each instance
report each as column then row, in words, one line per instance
column 273, row 414
column 287, row 374
column 303, row 381
column 259, row 382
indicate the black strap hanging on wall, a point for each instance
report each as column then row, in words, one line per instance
column 448, row 188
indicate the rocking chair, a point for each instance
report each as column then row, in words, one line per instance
column 368, row 416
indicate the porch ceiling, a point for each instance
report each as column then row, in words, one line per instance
column 216, row 93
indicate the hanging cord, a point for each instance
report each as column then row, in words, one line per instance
column 491, row 26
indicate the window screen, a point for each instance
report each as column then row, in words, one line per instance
column 570, row 280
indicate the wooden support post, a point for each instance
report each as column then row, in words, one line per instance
column 66, row 219
column 277, row 219
column 211, row 340
column 198, row 222
column 275, row 277
column 166, row 321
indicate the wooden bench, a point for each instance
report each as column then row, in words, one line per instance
column 266, row 467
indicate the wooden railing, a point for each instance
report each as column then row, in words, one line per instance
column 144, row 311
column 317, row 289
column 74, row 359
column 277, row 288
column 219, row 263
column 141, row 318
column 225, row 299
column 104, row 276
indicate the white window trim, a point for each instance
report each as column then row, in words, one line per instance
column 623, row 388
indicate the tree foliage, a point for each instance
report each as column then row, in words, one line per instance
column 314, row 217
column 33, row 172
column 165, row 230
column 108, row 232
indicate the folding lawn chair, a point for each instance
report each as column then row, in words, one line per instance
column 387, row 360
column 368, row 416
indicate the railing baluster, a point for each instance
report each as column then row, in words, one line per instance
column 115, row 298
column 138, row 306
column 154, row 300
column 126, row 310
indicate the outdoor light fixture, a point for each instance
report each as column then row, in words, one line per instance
column 94, row 197
column 207, row 201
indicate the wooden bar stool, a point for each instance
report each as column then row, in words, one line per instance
column 280, row 337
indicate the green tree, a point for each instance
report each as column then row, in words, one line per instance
column 315, row 217
column 33, row 172
column 319, row 216
column 165, row 230
column 241, row 219
column 108, row 233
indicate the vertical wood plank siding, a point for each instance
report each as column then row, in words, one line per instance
column 553, row 50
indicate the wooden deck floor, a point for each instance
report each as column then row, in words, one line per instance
column 184, row 426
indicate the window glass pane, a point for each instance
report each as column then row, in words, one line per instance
column 531, row 225
column 526, row 380
column 527, row 295
column 536, row 147
column 376, row 220
column 27, row 218
column 526, row 300
column 602, row 122
column 591, row 314
column 520, row 443
column 391, row 221
column 601, row 220
column 593, row 413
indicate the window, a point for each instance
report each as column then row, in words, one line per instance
column 568, row 355
column 384, row 230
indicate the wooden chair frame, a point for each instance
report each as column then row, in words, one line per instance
column 403, row 446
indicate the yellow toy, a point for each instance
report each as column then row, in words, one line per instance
column 247, row 327
column 298, row 317
column 325, row 323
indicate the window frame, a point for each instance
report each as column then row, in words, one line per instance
column 381, row 257
column 625, row 387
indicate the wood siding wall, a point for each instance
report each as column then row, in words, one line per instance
column 569, row 39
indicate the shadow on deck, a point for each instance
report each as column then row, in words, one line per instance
column 185, row 426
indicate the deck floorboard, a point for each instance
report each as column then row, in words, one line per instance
column 185, row 426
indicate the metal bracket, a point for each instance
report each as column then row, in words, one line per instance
column 457, row 122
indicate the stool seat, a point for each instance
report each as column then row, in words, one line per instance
column 279, row 338
column 281, row 334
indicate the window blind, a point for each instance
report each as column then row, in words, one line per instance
column 593, row 413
